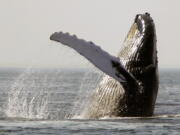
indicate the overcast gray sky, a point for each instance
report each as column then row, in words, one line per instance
column 25, row 27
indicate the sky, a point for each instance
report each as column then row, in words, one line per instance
column 25, row 27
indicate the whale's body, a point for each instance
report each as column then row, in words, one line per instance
column 131, row 85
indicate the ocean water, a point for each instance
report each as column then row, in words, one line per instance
column 48, row 101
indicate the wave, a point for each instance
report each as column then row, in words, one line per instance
column 127, row 118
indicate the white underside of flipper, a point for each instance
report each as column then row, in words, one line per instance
column 93, row 53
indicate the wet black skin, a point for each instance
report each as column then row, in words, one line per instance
column 141, row 92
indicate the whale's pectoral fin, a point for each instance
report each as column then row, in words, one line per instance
column 104, row 61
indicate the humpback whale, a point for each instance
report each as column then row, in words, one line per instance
column 129, row 86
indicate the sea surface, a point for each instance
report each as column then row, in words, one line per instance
column 48, row 101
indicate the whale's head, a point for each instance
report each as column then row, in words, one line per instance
column 139, row 56
column 146, row 52
column 139, row 48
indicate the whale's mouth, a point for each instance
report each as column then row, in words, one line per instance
column 139, row 47
column 147, row 51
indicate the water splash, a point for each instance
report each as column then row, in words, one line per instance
column 26, row 99
column 53, row 95
column 89, row 82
